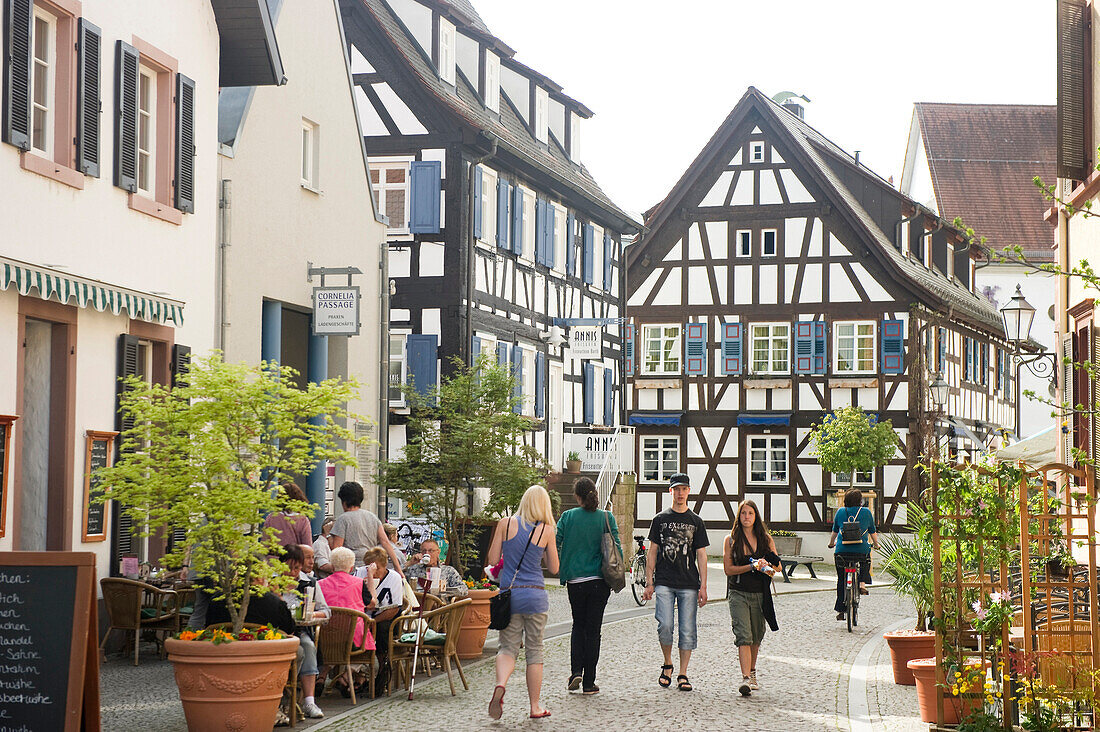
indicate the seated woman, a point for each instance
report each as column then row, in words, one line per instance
column 343, row 589
column 387, row 588
column 307, row 650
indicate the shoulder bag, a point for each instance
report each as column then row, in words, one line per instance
column 851, row 532
column 500, row 606
column 611, row 566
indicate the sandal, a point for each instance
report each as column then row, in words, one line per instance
column 665, row 680
column 496, row 704
column 682, row 683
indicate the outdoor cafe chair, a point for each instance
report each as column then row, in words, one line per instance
column 137, row 606
column 450, row 621
column 336, row 643
column 445, row 619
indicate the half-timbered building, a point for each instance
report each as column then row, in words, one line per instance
column 781, row 279
column 499, row 238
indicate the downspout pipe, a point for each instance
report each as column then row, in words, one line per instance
column 902, row 222
column 928, row 235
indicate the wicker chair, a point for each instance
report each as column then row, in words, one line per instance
column 445, row 619
column 335, row 642
column 137, row 606
column 1071, row 641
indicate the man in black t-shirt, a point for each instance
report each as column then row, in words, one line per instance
column 676, row 572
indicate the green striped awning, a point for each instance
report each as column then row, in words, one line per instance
column 67, row 289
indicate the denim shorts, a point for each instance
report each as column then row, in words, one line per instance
column 747, row 617
column 668, row 598
column 307, row 656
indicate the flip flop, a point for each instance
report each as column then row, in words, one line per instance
column 545, row 713
column 496, row 704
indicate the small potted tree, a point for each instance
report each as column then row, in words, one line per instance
column 851, row 441
column 206, row 457
column 908, row 560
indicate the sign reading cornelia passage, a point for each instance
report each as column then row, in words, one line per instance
column 585, row 341
column 335, row 311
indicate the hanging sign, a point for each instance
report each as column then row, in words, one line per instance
column 336, row 310
column 585, row 341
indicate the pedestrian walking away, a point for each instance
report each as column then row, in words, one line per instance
column 580, row 545
column 359, row 529
column 853, row 512
column 676, row 569
column 750, row 562
column 522, row 541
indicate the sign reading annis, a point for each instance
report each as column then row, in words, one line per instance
column 336, row 310
column 585, row 341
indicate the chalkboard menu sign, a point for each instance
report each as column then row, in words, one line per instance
column 97, row 454
column 6, row 422
column 49, row 662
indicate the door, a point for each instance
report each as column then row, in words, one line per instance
column 557, row 416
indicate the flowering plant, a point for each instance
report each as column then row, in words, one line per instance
column 217, row 636
column 990, row 617
column 480, row 584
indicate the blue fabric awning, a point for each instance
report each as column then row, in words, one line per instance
column 661, row 418
column 771, row 419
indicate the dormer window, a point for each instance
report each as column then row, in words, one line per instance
column 756, row 152
column 446, row 51
column 574, row 137
column 541, row 119
column 491, row 92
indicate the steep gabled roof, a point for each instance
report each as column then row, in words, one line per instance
column 822, row 159
column 510, row 132
column 982, row 159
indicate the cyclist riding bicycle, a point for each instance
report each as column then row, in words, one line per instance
column 847, row 551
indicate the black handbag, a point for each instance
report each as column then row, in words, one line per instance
column 500, row 606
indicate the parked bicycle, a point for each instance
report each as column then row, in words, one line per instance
column 637, row 572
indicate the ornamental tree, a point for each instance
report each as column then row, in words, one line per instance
column 463, row 433
column 849, row 441
column 207, row 457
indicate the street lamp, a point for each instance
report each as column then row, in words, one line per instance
column 939, row 389
column 1018, row 316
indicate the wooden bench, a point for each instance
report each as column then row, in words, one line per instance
column 789, row 563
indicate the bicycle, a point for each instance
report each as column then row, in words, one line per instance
column 851, row 589
column 637, row 572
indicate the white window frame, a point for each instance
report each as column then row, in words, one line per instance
column 381, row 189
column 528, row 355
column 574, row 137
column 401, row 357
column 597, row 257
column 764, row 243
column 528, row 225
column 864, row 479
column 744, row 243
column 839, row 334
column 446, row 51
column 48, row 66
column 311, row 155
column 777, row 337
column 540, row 118
column 488, row 207
column 492, row 81
column 147, row 115
column 561, row 218
column 756, row 152
column 662, row 452
column 667, row 336
column 769, row 448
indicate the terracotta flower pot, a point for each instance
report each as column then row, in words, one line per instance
column 475, row 625
column 573, row 466
column 954, row 708
column 231, row 686
column 905, row 645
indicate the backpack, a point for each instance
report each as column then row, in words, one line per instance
column 851, row 532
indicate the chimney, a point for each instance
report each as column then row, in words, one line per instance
column 795, row 108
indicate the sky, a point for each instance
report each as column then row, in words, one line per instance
column 661, row 76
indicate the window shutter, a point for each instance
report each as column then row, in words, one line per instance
column 1069, row 399
column 503, row 207
column 420, row 350
column 570, row 245
column 608, row 253
column 587, row 253
column 589, row 395
column 804, row 347
column 18, row 21
column 517, row 372
column 181, row 363
column 551, row 225
column 966, row 359
column 983, row 364
column 1073, row 92
column 1094, row 448
column 540, row 232
column 126, row 116
column 731, row 349
column 608, row 397
column 88, row 104
column 517, row 219
column 997, row 380
column 185, row 144
column 425, row 178
column 540, row 385
column 893, row 346
column 475, row 350
column 628, row 348
column 695, row 349
column 502, row 354
column 941, row 336
column 821, row 360
column 478, row 213
column 123, row 539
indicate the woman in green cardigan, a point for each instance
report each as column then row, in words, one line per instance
column 580, row 534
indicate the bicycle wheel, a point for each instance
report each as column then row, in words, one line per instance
column 850, row 602
column 637, row 578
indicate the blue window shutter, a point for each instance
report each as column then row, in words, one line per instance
column 731, row 349
column 1000, row 369
column 517, row 372
column 608, row 251
column 478, row 213
column 540, row 231
column 540, row 385
column 551, row 225
column 421, row 353
column 503, row 207
column 475, row 350
column 983, row 364
column 587, row 254
column 695, row 349
column 628, row 348
column 608, row 397
column 804, row 347
column 517, row 219
column 589, row 389
column 502, row 354
column 966, row 359
column 941, row 335
column 570, row 245
column 424, row 189
column 893, row 346
column 821, row 360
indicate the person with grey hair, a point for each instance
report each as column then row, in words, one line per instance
column 344, row 589
column 449, row 576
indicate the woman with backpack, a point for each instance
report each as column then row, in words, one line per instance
column 855, row 542
column 580, row 546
